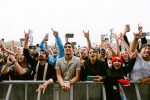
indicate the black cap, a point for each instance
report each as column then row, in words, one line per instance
column 144, row 45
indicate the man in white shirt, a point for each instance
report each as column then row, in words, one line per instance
column 141, row 69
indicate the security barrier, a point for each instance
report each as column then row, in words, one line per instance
column 26, row 90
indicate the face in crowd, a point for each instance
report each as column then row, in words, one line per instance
column 42, row 55
column 124, row 54
column 145, row 52
column 108, row 54
column 83, row 52
column 68, row 49
column 55, row 51
column 117, row 62
column 93, row 54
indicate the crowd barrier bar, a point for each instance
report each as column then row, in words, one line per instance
column 56, row 91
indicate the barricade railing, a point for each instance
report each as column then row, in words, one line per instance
column 85, row 90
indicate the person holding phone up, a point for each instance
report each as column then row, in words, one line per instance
column 93, row 67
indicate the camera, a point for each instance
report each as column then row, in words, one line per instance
column 31, row 47
column 69, row 35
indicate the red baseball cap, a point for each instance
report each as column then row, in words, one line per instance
column 117, row 58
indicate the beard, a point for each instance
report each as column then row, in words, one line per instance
column 41, row 59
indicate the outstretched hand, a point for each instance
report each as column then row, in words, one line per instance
column 86, row 34
column 46, row 37
column 55, row 33
column 26, row 35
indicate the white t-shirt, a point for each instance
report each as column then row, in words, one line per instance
column 141, row 69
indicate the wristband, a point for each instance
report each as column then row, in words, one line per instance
column 51, row 80
column 14, row 61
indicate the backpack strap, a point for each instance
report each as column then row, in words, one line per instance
column 45, row 71
column 36, row 71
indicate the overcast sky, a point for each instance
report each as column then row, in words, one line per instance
column 71, row 16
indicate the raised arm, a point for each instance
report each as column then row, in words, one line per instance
column 7, row 50
column 5, row 68
column 26, row 50
column 86, row 35
column 137, row 35
column 42, row 44
column 59, row 43
column 17, row 67
column 111, row 49
column 117, row 42
column 124, row 43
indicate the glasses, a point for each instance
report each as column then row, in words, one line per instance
column 67, row 46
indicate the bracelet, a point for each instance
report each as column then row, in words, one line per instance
column 51, row 80
column 14, row 61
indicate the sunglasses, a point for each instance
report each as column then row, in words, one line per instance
column 67, row 46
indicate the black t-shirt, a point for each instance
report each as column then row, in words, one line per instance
column 98, row 68
column 51, row 73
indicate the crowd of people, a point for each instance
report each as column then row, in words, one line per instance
column 68, row 64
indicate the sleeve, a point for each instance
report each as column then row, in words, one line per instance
column 126, row 40
column 57, row 64
column 78, row 64
column 130, row 66
column 60, row 47
column 32, row 61
column 83, row 73
column 42, row 46
column 52, row 72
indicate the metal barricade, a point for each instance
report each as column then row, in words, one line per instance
column 26, row 90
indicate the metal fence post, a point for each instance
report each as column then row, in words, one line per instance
column 56, row 91
column 26, row 91
column 71, row 93
column 87, row 92
column 39, row 95
column 8, row 92
column 104, row 91
column 137, row 92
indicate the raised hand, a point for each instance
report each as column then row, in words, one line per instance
column 115, row 36
column 140, row 28
column 126, row 29
column 46, row 37
column 26, row 35
column 86, row 34
column 55, row 33
column 2, row 45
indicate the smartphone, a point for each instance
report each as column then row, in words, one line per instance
column 69, row 35
column 74, row 43
column 106, row 39
column 22, row 39
column 146, row 34
column 90, row 78
column 31, row 47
